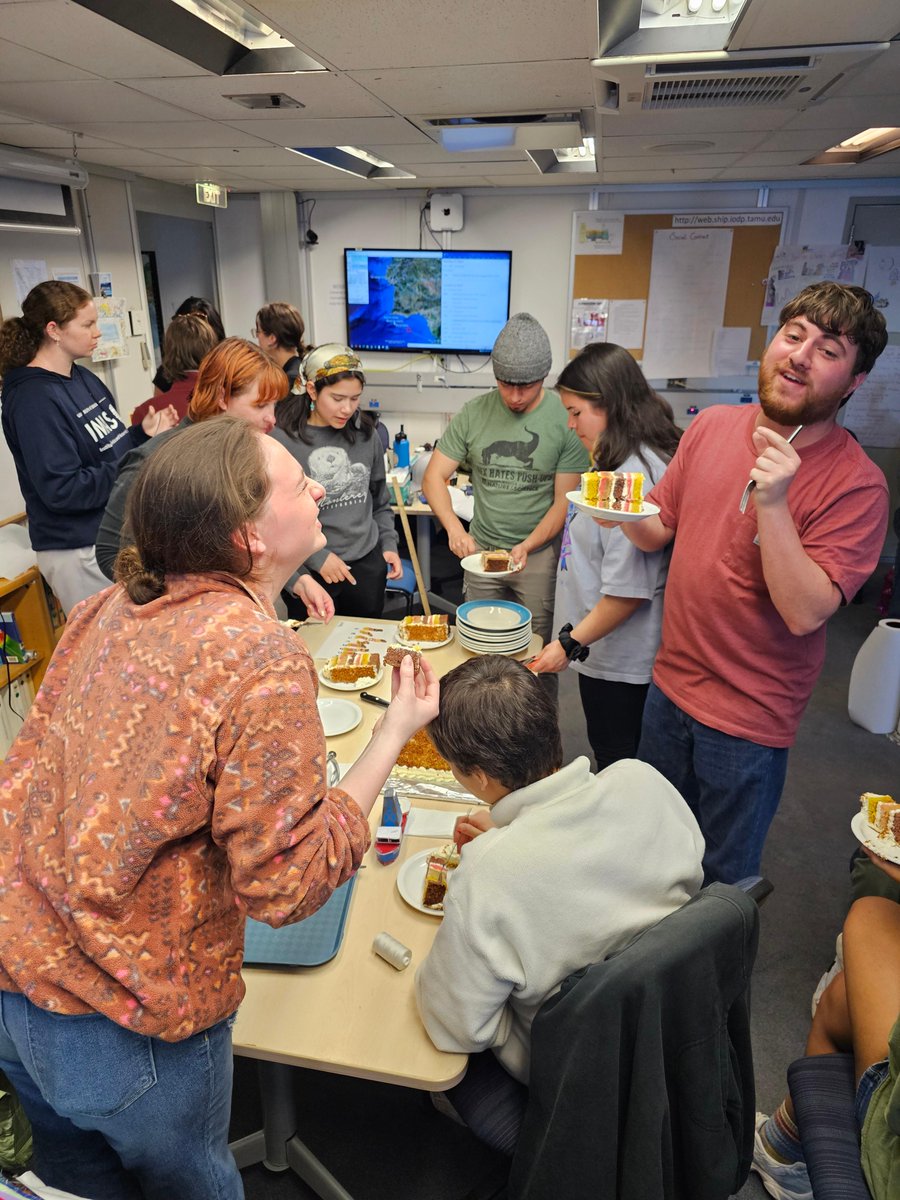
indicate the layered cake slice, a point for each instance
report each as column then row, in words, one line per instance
column 437, row 875
column 621, row 491
column 882, row 814
column 425, row 629
column 495, row 560
column 351, row 667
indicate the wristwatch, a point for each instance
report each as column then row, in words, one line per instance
column 574, row 651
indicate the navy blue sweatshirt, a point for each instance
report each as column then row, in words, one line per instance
column 66, row 439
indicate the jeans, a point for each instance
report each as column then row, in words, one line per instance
column 119, row 1116
column 731, row 785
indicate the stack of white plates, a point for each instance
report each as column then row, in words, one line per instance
column 493, row 626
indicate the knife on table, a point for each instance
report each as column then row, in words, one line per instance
column 374, row 699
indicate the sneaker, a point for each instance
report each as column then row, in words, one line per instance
column 784, row 1181
column 836, row 967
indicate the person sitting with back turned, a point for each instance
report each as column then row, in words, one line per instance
column 168, row 782
column 754, row 577
column 523, row 460
column 560, row 869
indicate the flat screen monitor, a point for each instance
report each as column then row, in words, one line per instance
column 443, row 301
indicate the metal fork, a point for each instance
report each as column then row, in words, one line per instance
column 751, row 483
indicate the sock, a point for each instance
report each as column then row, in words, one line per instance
column 782, row 1137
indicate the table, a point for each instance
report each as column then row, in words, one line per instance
column 355, row 1015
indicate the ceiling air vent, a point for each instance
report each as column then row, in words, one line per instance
column 737, row 85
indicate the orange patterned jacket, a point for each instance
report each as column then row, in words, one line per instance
column 168, row 781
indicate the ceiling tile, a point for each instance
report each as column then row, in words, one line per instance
column 365, row 132
column 18, row 64
column 689, row 121
column 394, row 33
column 77, row 36
column 501, row 87
column 44, row 137
column 430, row 152
column 72, row 103
column 169, row 135
column 773, row 23
column 623, row 147
column 669, row 162
column 848, row 115
column 321, row 93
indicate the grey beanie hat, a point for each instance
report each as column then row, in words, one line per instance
column 521, row 352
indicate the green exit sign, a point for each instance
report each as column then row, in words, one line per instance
column 213, row 194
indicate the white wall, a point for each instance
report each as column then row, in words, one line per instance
column 239, row 252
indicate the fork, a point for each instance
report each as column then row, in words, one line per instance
column 751, row 483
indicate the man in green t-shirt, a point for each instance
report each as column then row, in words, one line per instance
column 523, row 459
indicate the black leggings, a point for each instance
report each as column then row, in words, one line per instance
column 364, row 599
column 613, row 712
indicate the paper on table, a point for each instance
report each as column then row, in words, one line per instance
column 428, row 822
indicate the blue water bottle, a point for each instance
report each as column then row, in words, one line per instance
column 401, row 448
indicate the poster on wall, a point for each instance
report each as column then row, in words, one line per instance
column 597, row 232
column 883, row 281
column 874, row 412
column 589, row 319
column 795, row 267
column 27, row 273
column 112, row 319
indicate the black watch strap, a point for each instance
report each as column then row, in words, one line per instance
column 574, row 651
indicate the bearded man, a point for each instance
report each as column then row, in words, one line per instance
column 778, row 518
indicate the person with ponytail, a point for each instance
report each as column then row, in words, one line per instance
column 609, row 596
column 323, row 428
column 169, row 782
column 279, row 331
column 64, row 432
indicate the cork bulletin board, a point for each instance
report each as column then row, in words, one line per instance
column 626, row 275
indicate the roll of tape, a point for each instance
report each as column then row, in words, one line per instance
column 392, row 951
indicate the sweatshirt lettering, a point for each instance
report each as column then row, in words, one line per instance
column 101, row 426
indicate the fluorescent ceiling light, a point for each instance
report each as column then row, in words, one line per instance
column 460, row 138
column 237, row 22
column 352, row 161
column 869, row 143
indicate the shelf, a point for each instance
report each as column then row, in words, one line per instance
column 17, row 669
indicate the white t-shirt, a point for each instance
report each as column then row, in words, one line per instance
column 597, row 562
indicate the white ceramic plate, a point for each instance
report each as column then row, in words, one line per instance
column 405, row 641
column 492, row 616
column 359, row 686
column 411, row 882
column 472, row 564
column 612, row 514
column 883, row 847
column 338, row 716
column 516, row 637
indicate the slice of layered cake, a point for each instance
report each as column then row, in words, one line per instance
column 351, row 667
column 437, row 874
column 620, row 491
column 425, row 629
column 495, row 560
column 882, row 814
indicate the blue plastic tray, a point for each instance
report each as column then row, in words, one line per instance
column 308, row 943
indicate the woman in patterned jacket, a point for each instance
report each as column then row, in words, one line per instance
column 168, row 782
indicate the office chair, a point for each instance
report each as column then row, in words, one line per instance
column 823, row 1089
column 405, row 586
column 641, row 1069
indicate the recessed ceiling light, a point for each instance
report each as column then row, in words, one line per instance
column 869, row 143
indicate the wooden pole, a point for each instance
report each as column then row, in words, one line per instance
column 414, row 558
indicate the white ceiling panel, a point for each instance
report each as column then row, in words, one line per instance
column 798, row 141
column 366, row 132
column 876, row 77
column 18, row 64
column 502, row 87
column 83, row 101
column 686, row 175
column 242, row 160
column 321, row 93
column 45, row 137
column 623, row 147
column 430, row 152
column 395, row 33
column 166, row 135
column 776, row 23
column 74, row 35
column 670, row 162
column 690, row 121
column 126, row 158
column 849, row 115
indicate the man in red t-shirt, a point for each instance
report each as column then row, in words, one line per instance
column 754, row 578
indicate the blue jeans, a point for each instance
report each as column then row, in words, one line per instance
column 731, row 785
column 119, row 1116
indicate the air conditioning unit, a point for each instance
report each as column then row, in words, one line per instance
column 719, row 79
column 16, row 163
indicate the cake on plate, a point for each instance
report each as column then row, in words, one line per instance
column 621, row 491
column 882, row 814
column 495, row 560
column 435, row 628
column 396, row 654
column 420, row 751
column 351, row 667
column 437, row 874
